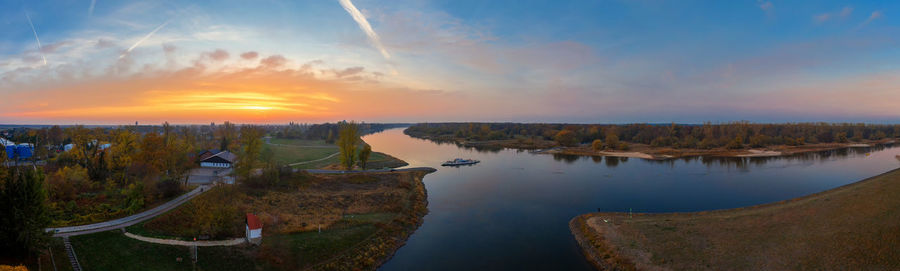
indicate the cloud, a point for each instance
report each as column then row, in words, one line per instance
column 105, row 43
column 842, row 14
column 348, row 71
column 874, row 16
column 217, row 55
column 273, row 61
column 168, row 48
column 249, row 55
column 136, row 44
column 766, row 6
column 243, row 95
column 364, row 25
column 53, row 47
column 91, row 8
column 36, row 38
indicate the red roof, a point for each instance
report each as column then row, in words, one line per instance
column 253, row 222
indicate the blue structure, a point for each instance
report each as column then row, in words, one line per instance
column 24, row 151
column 10, row 151
column 21, row 151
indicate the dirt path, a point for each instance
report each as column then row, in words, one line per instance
column 313, row 161
column 229, row 242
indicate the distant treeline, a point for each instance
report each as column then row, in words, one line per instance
column 703, row 136
column 326, row 131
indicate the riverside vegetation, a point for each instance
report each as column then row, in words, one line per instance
column 660, row 141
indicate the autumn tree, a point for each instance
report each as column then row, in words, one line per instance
column 597, row 145
column 251, row 139
column 364, row 155
column 612, row 141
column 565, row 138
column 348, row 136
column 122, row 154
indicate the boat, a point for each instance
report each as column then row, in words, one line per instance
column 459, row 162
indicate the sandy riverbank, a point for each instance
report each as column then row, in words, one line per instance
column 853, row 227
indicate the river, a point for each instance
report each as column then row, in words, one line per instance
column 511, row 211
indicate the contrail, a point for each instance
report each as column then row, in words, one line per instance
column 364, row 25
column 91, row 9
column 143, row 39
column 40, row 48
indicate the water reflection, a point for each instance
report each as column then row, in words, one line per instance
column 511, row 211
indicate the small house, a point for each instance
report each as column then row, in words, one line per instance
column 223, row 159
column 253, row 229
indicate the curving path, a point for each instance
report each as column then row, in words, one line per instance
column 229, row 242
column 313, row 161
column 128, row 220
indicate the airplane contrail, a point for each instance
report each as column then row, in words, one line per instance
column 91, row 9
column 143, row 39
column 40, row 48
column 364, row 25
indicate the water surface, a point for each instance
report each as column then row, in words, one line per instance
column 511, row 211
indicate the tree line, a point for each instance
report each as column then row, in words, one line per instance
column 702, row 136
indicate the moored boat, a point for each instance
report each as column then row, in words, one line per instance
column 460, row 162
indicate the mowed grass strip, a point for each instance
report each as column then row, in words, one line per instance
column 853, row 227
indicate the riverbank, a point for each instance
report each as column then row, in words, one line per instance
column 331, row 222
column 646, row 151
column 849, row 227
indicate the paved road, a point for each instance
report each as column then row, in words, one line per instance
column 229, row 242
column 129, row 220
column 329, row 171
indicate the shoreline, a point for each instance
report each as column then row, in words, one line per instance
column 809, row 229
column 653, row 153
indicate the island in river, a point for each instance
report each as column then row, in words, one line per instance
column 660, row 142
column 853, row 227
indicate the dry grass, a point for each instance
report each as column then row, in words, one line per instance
column 853, row 227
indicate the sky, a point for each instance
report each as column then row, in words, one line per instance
column 270, row 61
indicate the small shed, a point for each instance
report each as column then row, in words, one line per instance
column 254, row 229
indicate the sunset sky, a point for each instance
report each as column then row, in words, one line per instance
column 112, row 62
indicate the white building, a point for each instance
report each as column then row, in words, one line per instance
column 223, row 159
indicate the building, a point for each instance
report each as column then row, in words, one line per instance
column 223, row 159
column 215, row 167
column 253, row 229
column 206, row 154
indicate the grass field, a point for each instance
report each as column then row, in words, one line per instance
column 112, row 250
column 853, row 227
column 363, row 218
column 291, row 151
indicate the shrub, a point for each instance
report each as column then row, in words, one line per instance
column 597, row 145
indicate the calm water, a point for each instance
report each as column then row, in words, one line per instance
column 511, row 211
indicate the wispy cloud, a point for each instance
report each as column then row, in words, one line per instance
column 842, row 14
column 40, row 48
column 91, row 8
column 136, row 44
column 766, row 6
column 364, row 25
column 874, row 16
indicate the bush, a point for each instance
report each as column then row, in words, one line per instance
column 737, row 143
column 597, row 145
column 565, row 138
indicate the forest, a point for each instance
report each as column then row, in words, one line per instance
column 732, row 135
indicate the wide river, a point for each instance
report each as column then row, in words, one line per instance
column 511, row 211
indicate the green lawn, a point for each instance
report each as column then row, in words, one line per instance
column 111, row 250
column 289, row 151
